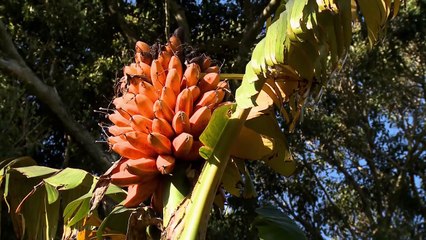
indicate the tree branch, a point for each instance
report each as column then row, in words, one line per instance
column 167, row 15
column 364, row 199
column 12, row 63
column 179, row 13
column 251, row 31
column 330, row 200
column 128, row 32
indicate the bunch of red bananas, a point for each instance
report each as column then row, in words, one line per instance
column 164, row 104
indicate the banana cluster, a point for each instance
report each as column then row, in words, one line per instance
column 162, row 109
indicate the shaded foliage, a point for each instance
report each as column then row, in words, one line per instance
column 361, row 149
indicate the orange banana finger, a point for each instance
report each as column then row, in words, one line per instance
column 176, row 64
column 162, row 110
column 162, row 126
column 141, row 123
column 160, row 143
column 182, row 145
column 158, row 75
column 209, row 82
column 184, row 102
column 199, row 120
column 165, row 164
column 180, row 123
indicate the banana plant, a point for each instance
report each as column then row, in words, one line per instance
column 291, row 63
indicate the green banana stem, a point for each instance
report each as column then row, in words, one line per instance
column 176, row 188
column 196, row 219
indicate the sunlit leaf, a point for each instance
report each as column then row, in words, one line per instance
column 52, row 193
column 211, row 134
column 68, row 178
column 36, row 171
column 78, row 209
column 296, row 17
column 73, row 206
column 251, row 145
column 249, row 88
column 258, row 63
column 280, row 158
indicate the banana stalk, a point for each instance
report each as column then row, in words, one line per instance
column 201, row 201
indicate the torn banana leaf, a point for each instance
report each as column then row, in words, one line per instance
column 231, row 179
column 262, row 139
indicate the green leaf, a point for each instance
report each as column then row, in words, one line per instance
column 69, row 178
column 302, row 59
column 274, row 224
column 117, row 220
column 71, row 207
column 36, row 171
column 249, row 189
column 327, row 24
column 345, row 16
column 220, row 117
column 296, row 16
column 271, row 42
column 116, row 193
column 282, row 41
column 76, row 210
column 52, row 193
column 83, row 208
column 248, row 89
column 36, row 217
column 52, row 215
column 258, row 63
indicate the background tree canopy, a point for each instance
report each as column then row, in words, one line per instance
column 360, row 147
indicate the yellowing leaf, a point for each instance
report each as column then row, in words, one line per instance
column 251, row 145
column 373, row 12
column 279, row 159
column 231, row 179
